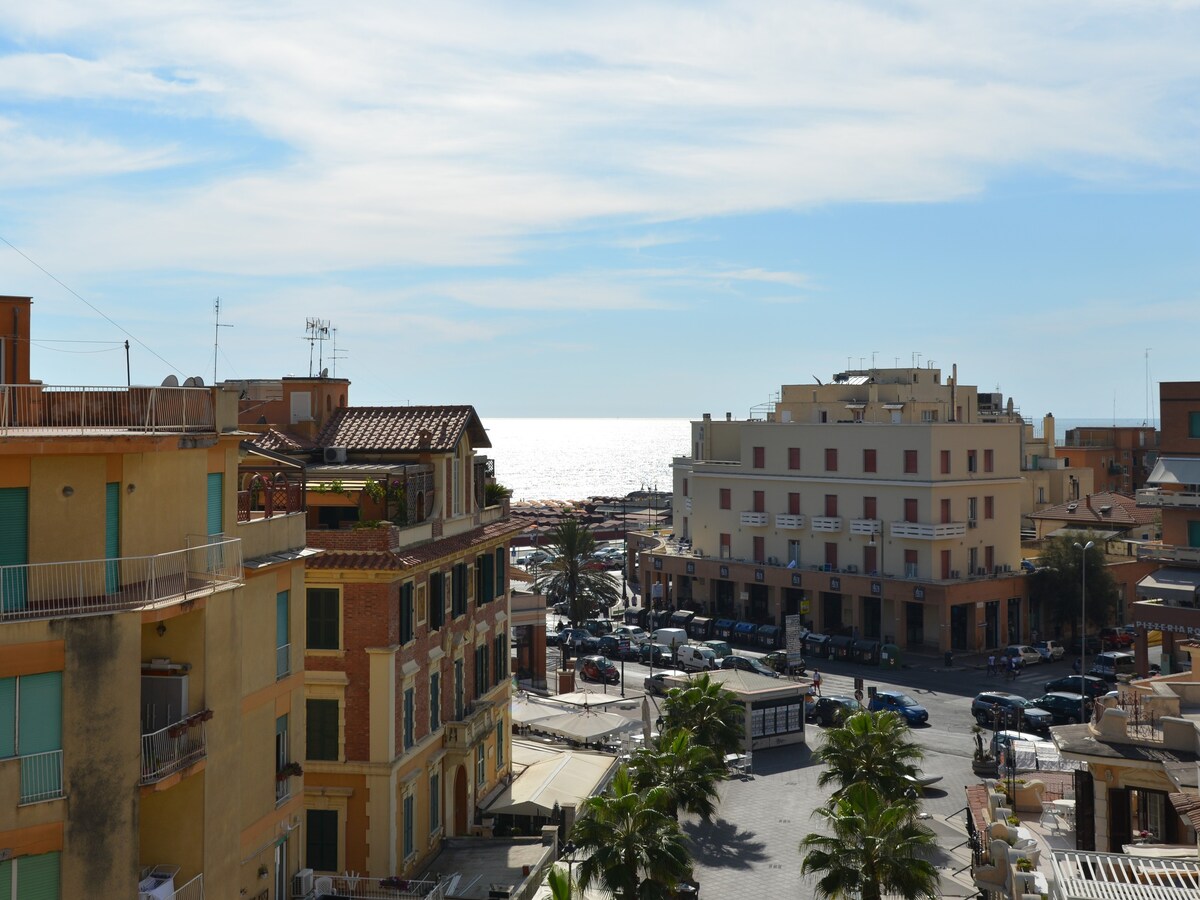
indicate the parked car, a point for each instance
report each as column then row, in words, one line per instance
column 1010, row 709
column 1115, row 638
column 598, row 668
column 720, row 648
column 1002, row 739
column 778, row 660
column 1024, row 652
column 598, row 627
column 1078, row 684
column 616, row 646
column 900, row 703
column 1050, row 651
column 656, row 684
column 1065, row 708
column 1111, row 664
column 691, row 658
column 571, row 637
column 1093, row 645
column 748, row 664
column 834, row 710
column 635, row 633
column 656, row 654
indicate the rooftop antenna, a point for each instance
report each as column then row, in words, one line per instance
column 318, row 332
column 336, row 354
column 217, row 326
column 873, row 355
column 917, row 356
column 1146, row 421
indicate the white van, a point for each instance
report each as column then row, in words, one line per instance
column 691, row 658
column 672, row 637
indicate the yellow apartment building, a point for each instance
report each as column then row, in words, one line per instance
column 408, row 616
column 151, row 671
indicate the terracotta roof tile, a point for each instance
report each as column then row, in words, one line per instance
column 401, row 428
column 1188, row 807
column 282, row 441
column 1124, row 511
column 418, row 555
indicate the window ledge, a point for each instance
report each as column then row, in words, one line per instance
column 329, row 654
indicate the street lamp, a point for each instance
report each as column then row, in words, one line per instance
column 568, row 853
column 1083, row 549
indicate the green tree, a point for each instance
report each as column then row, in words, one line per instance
column 572, row 573
column 870, row 748
column 560, row 884
column 713, row 715
column 687, row 771
column 635, row 851
column 875, row 847
column 1056, row 585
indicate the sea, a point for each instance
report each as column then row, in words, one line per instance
column 573, row 459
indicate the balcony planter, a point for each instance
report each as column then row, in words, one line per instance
column 292, row 769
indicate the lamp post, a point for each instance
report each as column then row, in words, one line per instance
column 568, row 853
column 1083, row 549
column 624, row 553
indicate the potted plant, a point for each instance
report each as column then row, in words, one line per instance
column 1024, row 864
column 290, row 770
column 983, row 763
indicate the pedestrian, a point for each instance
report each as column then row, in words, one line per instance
column 1077, row 665
column 817, row 681
column 991, row 669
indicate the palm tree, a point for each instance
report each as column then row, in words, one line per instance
column 560, row 884
column 871, row 748
column 687, row 771
column 710, row 712
column 875, row 848
column 635, row 850
column 573, row 574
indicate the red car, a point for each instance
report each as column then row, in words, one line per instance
column 598, row 668
column 1116, row 638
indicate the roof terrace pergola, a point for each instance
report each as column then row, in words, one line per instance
column 1080, row 875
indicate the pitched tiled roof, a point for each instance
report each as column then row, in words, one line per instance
column 282, row 441
column 400, row 428
column 1188, row 807
column 1086, row 513
column 418, row 555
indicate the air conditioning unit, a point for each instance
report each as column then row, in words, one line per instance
column 302, row 883
column 335, row 454
column 971, row 523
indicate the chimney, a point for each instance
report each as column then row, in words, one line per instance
column 1088, row 501
column 953, row 392
column 728, row 417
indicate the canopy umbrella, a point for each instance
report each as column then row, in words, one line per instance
column 647, row 731
column 526, row 711
column 586, row 725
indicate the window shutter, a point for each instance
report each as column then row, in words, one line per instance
column 216, row 487
column 37, row 877
column 14, row 545
column 112, row 537
column 8, row 723
column 40, row 716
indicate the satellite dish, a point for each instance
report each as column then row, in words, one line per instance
column 189, row 381
column 325, row 373
column 170, row 381
column 196, row 381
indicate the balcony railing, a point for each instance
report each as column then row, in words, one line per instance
column 394, row 888
column 785, row 520
column 88, row 587
column 928, row 531
column 749, row 517
column 283, row 661
column 266, row 499
column 175, row 747
column 192, row 890
column 41, row 776
column 826, row 523
column 1169, row 553
column 74, row 409
column 475, row 723
column 865, row 526
column 1159, row 497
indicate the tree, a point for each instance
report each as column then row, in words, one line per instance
column 635, row 851
column 687, row 771
column 1056, row 584
column 713, row 715
column 560, row 884
column 870, row 748
column 573, row 574
column 875, row 847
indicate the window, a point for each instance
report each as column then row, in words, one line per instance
column 31, row 729
column 989, row 507
column 30, row 876
column 410, row 816
column 321, row 840
column 945, row 565
column 989, row 460
column 794, row 503
column 283, row 753
column 972, row 463
column 760, row 457
column 869, row 464
column 406, row 612
column 831, row 554
column 793, row 457
column 283, row 647
column 726, row 499
column 869, row 565
column 760, row 549
column 501, row 562
column 869, row 508
column 929, row 415
column 499, row 746
column 760, row 501
column 973, row 560
column 437, row 601
column 499, row 658
column 480, row 769
column 481, row 670
column 910, row 563
column 458, row 590
column 989, row 558
column 459, row 688
column 972, row 508
column 945, row 457
column 435, row 802
column 410, row 718
column 726, row 545
column 831, row 459
column 945, row 506
column 794, row 552
column 910, row 462
column 435, row 701
column 324, row 615
column 685, row 487
column 1194, row 424
column 831, row 505
column 321, row 729
column 910, row 510
column 488, row 564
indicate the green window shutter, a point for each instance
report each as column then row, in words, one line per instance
column 14, row 546
column 6, row 870
column 8, row 719
column 112, row 537
column 281, row 619
column 40, row 717
column 406, row 613
column 1193, row 533
column 216, row 496
column 322, row 620
column 37, row 877
column 321, row 841
column 321, row 729
column 501, row 561
column 489, row 577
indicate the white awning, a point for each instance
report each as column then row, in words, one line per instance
column 1179, row 585
column 1176, row 470
column 567, row 779
column 586, row 726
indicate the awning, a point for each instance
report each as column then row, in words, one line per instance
column 1178, row 585
column 1175, row 470
column 586, row 726
column 567, row 779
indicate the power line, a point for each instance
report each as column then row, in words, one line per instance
column 87, row 303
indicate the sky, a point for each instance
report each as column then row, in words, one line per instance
column 608, row 209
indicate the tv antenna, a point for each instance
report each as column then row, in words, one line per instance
column 217, row 326
column 1149, row 393
column 336, row 354
column 317, row 331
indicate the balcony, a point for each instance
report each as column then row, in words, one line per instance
column 283, row 661
column 1168, row 499
column 87, row 587
column 27, row 409
column 928, row 531
column 1169, row 553
column 267, row 497
column 827, row 523
column 865, row 526
column 41, row 776
column 159, row 882
column 754, row 519
column 174, row 748
column 362, row 887
column 789, row 521
column 687, row 505
column 474, row 725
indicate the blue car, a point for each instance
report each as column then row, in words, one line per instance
column 900, row 703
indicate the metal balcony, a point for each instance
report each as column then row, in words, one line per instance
column 87, row 587
column 784, row 520
column 1169, row 553
column 754, row 519
column 827, row 523
column 1169, row 499
column 476, row 722
column 27, row 409
column 928, row 531
column 170, row 749
column 41, row 776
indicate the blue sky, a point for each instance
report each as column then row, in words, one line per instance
column 642, row 209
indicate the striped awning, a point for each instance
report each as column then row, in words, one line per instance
column 1176, row 470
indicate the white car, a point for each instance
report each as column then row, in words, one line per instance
column 1050, row 651
column 635, row 633
column 1024, row 652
